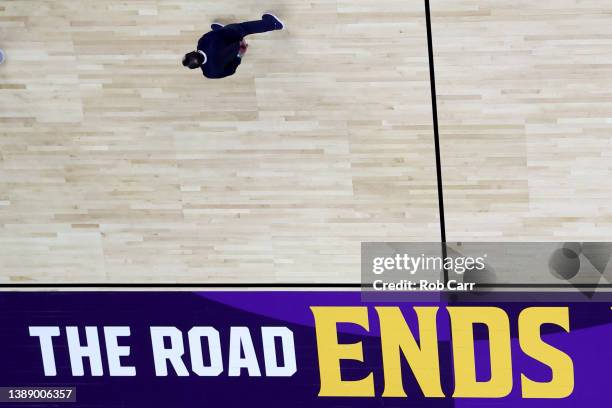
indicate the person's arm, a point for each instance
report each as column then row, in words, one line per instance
column 229, row 53
column 230, row 69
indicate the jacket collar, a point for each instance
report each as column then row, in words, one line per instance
column 205, row 57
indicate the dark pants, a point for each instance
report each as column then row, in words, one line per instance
column 250, row 27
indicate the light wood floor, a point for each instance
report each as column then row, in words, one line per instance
column 525, row 111
column 117, row 164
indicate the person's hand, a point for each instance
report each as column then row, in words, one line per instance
column 243, row 48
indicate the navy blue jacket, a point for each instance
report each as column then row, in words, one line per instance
column 221, row 48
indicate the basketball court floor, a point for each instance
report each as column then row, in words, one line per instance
column 119, row 165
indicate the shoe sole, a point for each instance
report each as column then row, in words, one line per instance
column 277, row 19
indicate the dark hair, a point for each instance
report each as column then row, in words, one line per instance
column 193, row 60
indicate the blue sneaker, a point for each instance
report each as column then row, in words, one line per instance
column 278, row 24
column 216, row 26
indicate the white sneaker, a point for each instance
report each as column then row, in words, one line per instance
column 278, row 23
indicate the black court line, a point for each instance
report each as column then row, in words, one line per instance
column 434, row 112
column 279, row 285
column 544, row 285
column 180, row 285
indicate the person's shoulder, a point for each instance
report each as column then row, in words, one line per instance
column 206, row 39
